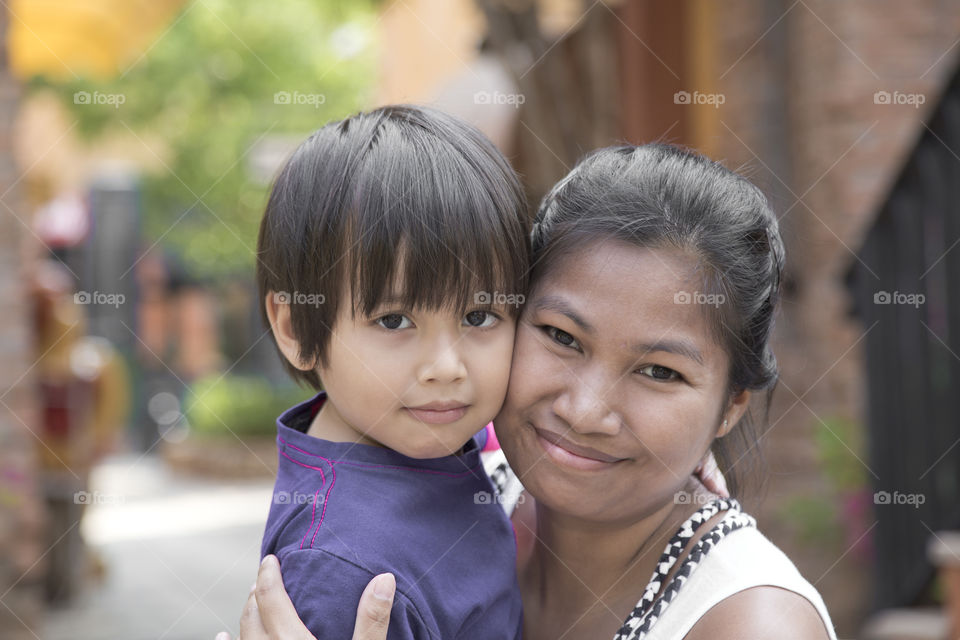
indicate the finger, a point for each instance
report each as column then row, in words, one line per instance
column 251, row 626
column 373, row 612
column 223, row 635
column 277, row 613
column 717, row 481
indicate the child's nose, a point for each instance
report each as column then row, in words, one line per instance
column 443, row 364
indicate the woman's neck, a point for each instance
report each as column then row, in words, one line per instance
column 590, row 575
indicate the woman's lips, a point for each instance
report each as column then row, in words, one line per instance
column 564, row 452
column 434, row 416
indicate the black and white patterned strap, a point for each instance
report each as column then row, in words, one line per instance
column 650, row 608
column 507, row 488
column 500, row 477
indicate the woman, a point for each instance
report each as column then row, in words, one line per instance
column 655, row 279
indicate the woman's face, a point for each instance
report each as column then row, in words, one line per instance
column 617, row 389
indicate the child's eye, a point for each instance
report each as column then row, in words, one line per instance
column 662, row 374
column 480, row 319
column 394, row 321
column 561, row 337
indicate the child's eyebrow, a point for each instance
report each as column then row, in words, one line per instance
column 390, row 297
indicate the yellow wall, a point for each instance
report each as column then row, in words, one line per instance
column 424, row 43
column 92, row 38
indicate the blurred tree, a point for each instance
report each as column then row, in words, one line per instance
column 224, row 77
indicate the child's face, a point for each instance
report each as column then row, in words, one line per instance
column 420, row 383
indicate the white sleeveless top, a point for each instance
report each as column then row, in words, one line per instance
column 710, row 573
column 744, row 559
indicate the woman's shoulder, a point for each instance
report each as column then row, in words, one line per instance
column 761, row 593
column 761, row 612
column 742, row 585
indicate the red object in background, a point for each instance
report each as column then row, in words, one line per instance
column 63, row 404
column 55, row 410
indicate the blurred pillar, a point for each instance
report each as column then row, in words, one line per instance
column 20, row 510
column 111, row 256
column 198, row 352
column 654, row 61
column 108, row 279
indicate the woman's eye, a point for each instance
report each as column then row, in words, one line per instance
column 657, row 372
column 480, row 319
column 394, row 321
column 561, row 337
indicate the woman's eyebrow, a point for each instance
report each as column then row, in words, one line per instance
column 679, row 347
column 559, row 305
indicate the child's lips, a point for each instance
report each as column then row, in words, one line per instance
column 438, row 412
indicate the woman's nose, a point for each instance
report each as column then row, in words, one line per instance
column 585, row 410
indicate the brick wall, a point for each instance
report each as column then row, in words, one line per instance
column 800, row 112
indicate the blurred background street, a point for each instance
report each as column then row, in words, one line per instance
column 177, row 554
column 138, row 141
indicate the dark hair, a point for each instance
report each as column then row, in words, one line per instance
column 398, row 189
column 662, row 196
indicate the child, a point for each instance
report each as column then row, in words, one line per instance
column 390, row 246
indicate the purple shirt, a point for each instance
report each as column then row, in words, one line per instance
column 344, row 512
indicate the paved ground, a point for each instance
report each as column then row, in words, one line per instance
column 180, row 555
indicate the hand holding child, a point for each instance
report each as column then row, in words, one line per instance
column 269, row 615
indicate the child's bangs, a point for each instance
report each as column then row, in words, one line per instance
column 430, row 228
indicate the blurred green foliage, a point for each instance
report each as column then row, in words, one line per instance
column 821, row 520
column 813, row 520
column 247, row 406
column 207, row 89
column 842, row 453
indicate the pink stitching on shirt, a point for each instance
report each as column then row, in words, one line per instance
column 323, row 512
column 381, row 466
column 322, row 476
column 333, row 481
column 313, row 516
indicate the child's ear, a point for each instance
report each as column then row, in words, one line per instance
column 735, row 409
column 278, row 312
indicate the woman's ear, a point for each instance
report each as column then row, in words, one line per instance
column 278, row 312
column 737, row 406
